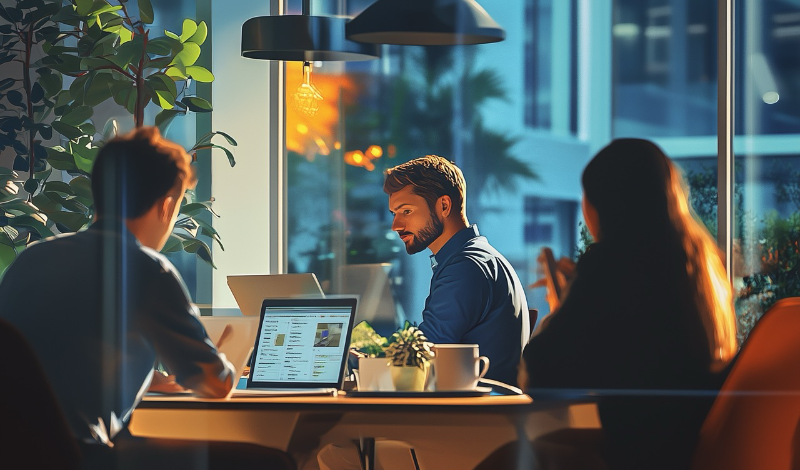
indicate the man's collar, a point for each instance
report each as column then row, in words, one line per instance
column 456, row 241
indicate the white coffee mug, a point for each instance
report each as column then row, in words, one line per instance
column 456, row 366
column 374, row 375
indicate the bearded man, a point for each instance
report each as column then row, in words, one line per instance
column 476, row 296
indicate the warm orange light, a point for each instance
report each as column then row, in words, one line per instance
column 323, row 147
column 337, row 145
column 374, row 151
column 302, row 128
column 354, row 157
column 339, row 90
column 307, row 97
column 357, row 158
column 392, row 150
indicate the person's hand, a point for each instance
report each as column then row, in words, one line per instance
column 163, row 383
column 564, row 272
column 566, row 268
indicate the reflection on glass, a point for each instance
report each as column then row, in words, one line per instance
column 767, row 78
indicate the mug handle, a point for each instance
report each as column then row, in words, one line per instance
column 485, row 366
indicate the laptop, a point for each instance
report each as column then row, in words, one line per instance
column 301, row 347
column 250, row 290
column 376, row 304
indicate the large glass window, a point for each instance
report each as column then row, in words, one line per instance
column 766, row 257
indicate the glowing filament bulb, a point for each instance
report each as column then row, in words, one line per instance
column 307, row 96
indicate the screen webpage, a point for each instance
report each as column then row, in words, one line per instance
column 301, row 344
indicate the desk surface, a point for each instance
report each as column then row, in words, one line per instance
column 487, row 404
column 446, row 432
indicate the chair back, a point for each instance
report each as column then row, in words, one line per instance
column 754, row 420
column 33, row 426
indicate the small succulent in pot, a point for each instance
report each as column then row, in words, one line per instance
column 409, row 347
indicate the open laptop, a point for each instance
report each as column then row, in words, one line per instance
column 250, row 290
column 301, row 347
column 376, row 304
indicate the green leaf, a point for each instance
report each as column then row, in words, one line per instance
column 33, row 222
column 199, row 248
column 110, row 129
column 188, row 56
column 6, row 83
column 87, row 128
column 45, row 131
column 129, row 52
column 66, row 15
column 199, row 37
column 229, row 154
column 125, row 35
column 74, row 221
column 77, row 88
column 98, row 90
column 163, row 46
column 7, row 255
column 158, row 64
column 37, row 93
column 163, row 99
column 125, row 95
column 59, row 186
column 83, row 7
column 14, row 97
column 196, row 104
column 195, row 208
column 189, row 29
column 227, row 137
column 69, row 131
column 159, row 81
column 51, row 83
column 13, row 15
column 105, row 46
column 19, row 207
column 84, row 157
column 45, row 204
column 176, row 72
column 173, row 244
column 172, row 35
column 60, row 159
column 146, row 11
column 164, row 119
column 82, row 186
column 76, row 116
column 200, row 74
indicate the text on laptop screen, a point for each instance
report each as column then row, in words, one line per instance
column 301, row 344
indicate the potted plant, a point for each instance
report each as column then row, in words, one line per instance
column 110, row 54
column 410, row 354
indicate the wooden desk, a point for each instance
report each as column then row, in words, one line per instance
column 446, row 433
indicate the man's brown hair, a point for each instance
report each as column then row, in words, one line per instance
column 134, row 170
column 431, row 177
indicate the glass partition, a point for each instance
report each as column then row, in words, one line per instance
column 767, row 78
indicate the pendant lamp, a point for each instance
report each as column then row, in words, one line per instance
column 424, row 23
column 303, row 38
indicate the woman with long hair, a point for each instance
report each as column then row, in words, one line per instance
column 647, row 323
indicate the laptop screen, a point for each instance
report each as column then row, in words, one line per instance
column 302, row 343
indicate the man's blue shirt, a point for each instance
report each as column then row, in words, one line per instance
column 477, row 298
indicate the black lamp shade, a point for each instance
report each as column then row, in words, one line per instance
column 425, row 23
column 302, row 38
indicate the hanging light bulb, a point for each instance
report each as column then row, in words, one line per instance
column 307, row 96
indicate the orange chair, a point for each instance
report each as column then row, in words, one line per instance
column 754, row 420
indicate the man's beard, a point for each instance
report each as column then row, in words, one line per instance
column 426, row 236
